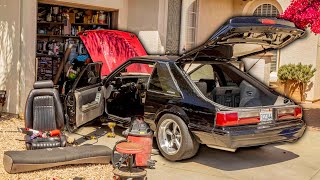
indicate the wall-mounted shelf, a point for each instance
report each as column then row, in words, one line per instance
column 61, row 36
column 54, row 23
column 47, row 55
column 57, row 28
column 88, row 24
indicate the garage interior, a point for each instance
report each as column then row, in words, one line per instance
column 58, row 25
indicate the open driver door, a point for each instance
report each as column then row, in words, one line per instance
column 85, row 101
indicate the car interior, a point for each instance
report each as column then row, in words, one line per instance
column 125, row 93
column 225, row 84
column 122, row 97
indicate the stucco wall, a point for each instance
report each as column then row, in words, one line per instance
column 27, row 49
column 149, row 23
column 304, row 51
column 142, row 18
column 212, row 14
column 247, row 8
column 10, row 65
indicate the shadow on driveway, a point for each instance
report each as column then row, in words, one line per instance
column 98, row 131
column 243, row 158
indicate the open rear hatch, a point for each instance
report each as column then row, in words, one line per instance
column 241, row 37
column 245, row 36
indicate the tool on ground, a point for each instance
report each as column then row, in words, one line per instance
column 70, row 140
column 39, row 134
column 111, row 125
column 39, row 140
column 128, row 156
column 90, row 137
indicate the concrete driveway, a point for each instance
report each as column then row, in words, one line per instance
column 300, row 160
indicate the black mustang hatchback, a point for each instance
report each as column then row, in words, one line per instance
column 200, row 97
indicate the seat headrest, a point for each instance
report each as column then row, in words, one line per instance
column 43, row 84
column 202, row 86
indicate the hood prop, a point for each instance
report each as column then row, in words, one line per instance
column 258, row 59
column 193, row 59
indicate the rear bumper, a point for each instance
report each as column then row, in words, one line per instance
column 231, row 138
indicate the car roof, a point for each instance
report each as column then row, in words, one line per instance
column 158, row 58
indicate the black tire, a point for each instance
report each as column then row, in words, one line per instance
column 189, row 146
column 255, row 147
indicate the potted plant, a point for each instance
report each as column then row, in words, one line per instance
column 295, row 77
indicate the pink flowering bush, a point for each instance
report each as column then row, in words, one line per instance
column 304, row 13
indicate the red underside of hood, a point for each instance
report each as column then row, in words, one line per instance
column 113, row 48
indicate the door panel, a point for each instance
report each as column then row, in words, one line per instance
column 89, row 104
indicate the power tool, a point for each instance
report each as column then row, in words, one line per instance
column 111, row 125
column 39, row 134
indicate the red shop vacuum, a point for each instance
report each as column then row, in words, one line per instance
column 131, row 155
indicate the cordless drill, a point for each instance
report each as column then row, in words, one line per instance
column 111, row 125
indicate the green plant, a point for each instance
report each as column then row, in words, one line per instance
column 285, row 72
column 295, row 76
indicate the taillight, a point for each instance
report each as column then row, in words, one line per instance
column 231, row 118
column 289, row 113
column 268, row 21
column 298, row 112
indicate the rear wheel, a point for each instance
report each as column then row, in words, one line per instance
column 174, row 139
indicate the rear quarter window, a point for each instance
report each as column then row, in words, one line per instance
column 204, row 72
column 162, row 81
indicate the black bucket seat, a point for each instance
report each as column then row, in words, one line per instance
column 44, row 112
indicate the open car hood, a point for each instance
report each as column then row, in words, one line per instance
column 113, row 48
column 245, row 36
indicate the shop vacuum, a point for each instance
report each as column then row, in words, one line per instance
column 139, row 132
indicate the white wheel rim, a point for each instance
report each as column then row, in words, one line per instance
column 169, row 136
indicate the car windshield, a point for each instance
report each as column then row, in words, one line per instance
column 137, row 69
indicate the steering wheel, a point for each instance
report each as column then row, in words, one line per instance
column 129, row 87
column 132, row 87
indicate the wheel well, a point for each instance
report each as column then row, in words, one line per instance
column 169, row 112
column 177, row 114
